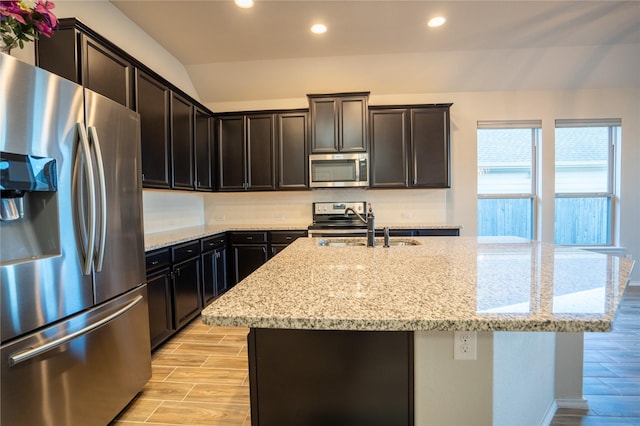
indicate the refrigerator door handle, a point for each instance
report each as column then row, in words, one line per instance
column 93, row 135
column 91, row 205
column 29, row 353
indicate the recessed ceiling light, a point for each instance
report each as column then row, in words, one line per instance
column 245, row 4
column 437, row 21
column 319, row 29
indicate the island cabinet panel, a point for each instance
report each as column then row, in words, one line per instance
column 292, row 150
column 203, row 146
column 152, row 103
column 246, row 152
column 159, row 296
column 74, row 53
column 410, row 146
column 328, row 377
column 339, row 122
column 182, row 142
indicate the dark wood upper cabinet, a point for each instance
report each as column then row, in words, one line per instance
column 74, row 53
column 203, row 144
column 182, row 142
column 410, row 146
column 246, row 152
column 152, row 103
column 260, row 140
column 430, row 145
column 339, row 122
column 292, row 150
column 389, row 148
column 231, row 153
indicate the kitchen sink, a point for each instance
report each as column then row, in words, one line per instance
column 393, row 242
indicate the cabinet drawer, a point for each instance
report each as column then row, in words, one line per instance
column 286, row 237
column 186, row 251
column 438, row 232
column 157, row 259
column 248, row 237
column 216, row 241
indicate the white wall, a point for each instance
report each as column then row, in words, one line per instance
column 108, row 21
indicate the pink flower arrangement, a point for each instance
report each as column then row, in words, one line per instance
column 23, row 21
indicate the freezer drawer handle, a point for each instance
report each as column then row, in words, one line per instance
column 33, row 352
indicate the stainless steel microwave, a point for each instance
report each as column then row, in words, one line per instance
column 339, row 170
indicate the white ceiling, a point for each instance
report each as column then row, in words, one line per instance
column 385, row 47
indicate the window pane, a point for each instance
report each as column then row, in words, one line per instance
column 582, row 159
column 504, row 161
column 505, row 217
column 582, row 221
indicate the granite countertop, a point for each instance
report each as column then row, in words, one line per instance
column 445, row 283
column 156, row 240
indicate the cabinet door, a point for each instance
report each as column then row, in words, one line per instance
column 182, row 142
column 231, row 153
column 430, row 148
column 208, row 277
column 260, row 140
column 248, row 258
column 152, row 103
column 389, row 148
column 292, row 151
column 353, row 124
column 59, row 54
column 324, row 125
column 220, row 258
column 106, row 72
column 186, row 287
column 159, row 304
column 203, row 142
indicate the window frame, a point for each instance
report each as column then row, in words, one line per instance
column 536, row 133
column 614, row 135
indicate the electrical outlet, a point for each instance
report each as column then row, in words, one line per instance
column 465, row 345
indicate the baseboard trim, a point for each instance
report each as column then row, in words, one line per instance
column 578, row 403
column 551, row 412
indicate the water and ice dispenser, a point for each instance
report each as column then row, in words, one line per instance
column 28, row 208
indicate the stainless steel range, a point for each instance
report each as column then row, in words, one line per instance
column 329, row 219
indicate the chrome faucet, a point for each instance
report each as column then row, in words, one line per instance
column 369, row 221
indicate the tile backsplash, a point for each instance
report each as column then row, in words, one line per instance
column 168, row 210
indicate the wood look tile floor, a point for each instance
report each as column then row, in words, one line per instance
column 200, row 377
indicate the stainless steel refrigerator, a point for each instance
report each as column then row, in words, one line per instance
column 74, row 322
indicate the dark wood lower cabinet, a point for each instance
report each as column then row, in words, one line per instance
column 159, row 302
column 248, row 258
column 321, row 377
column 186, row 288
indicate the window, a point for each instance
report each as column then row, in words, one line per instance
column 584, row 178
column 507, row 177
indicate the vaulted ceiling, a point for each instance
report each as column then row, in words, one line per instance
column 268, row 52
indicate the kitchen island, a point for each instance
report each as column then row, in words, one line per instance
column 315, row 302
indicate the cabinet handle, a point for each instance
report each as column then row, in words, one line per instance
column 249, row 238
column 155, row 262
column 178, row 271
column 288, row 237
column 189, row 251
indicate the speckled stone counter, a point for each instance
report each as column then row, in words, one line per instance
column 443, row 284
